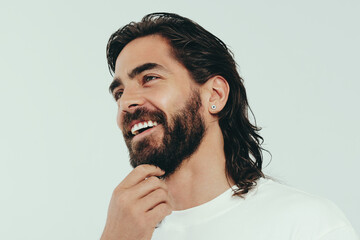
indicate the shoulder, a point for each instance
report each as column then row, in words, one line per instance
column 291, row 200
column 310, row 216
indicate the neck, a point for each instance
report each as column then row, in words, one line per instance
column 202, row 176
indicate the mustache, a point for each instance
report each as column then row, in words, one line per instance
column 142, row 114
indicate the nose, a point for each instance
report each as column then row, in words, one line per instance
column 131, row 99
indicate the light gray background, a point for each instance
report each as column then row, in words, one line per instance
column 62, row 153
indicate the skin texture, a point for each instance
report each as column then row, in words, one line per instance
column 142, row 200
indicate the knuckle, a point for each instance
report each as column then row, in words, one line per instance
column 141, row 169
column 161, row 193
column 121, row 196
column 117, row 191
column 121, row 199
column 154, row 181
column 164, row 209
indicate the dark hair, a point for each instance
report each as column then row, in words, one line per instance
column 204, row 55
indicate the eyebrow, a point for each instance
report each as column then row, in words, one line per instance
column 136, row 71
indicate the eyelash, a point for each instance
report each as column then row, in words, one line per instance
column 119, row 93
column 146, row 78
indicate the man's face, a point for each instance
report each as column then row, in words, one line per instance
column 159, row 105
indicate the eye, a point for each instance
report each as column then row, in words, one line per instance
column 118, row 94
column 148, row 78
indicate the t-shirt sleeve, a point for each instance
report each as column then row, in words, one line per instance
column 314, row 218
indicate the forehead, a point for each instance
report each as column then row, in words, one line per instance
column 153, row 48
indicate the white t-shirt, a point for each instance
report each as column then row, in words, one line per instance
column 270, row 211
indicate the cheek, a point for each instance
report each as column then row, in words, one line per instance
column 168, row 100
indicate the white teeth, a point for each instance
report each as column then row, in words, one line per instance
column 141, row 125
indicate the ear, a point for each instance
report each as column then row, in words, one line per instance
column 218, row 89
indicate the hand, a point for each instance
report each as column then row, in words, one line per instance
column 137, row 205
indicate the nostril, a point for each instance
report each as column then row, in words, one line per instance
column 133, row 105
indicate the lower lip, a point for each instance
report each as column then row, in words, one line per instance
column 144, row 133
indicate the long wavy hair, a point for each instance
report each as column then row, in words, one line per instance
column 204, row 56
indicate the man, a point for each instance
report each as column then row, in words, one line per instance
column 197, row 159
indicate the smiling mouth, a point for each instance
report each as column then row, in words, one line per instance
column 142, row 126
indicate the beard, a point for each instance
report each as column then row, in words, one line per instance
column 180, row 139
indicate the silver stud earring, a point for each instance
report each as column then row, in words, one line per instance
column 213, row 107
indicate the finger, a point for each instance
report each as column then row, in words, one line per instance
column 157, row 214
column 140, row 173
column 147, row 186
column 153, row 199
